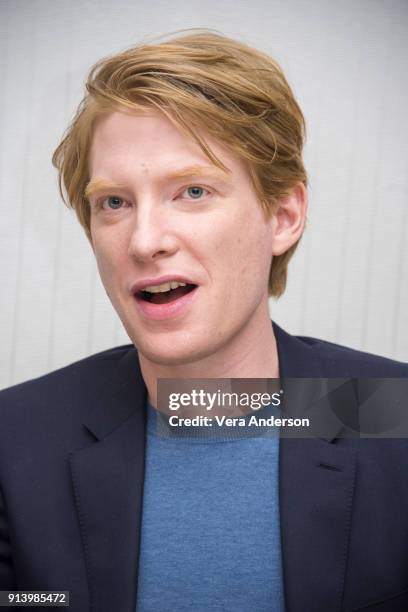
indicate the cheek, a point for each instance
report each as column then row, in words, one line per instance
column 108, row 258
column 244, row 249
column 237, row 256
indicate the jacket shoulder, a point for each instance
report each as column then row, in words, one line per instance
column 342, row 361
column 72, row 383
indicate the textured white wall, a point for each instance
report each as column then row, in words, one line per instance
column 347, row 62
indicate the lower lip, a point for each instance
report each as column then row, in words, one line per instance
column 159, row 312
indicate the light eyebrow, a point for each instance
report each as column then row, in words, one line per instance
column 209, row 171
column 96, row 185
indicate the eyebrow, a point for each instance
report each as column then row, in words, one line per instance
column 198, row 171
column 96, row 185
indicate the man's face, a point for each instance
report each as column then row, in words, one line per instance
column 161, row 210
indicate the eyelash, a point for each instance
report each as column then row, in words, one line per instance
column 99, row 203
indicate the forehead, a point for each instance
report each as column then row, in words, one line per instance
column 147, row 140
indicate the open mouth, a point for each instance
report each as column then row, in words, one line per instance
column 165, row 297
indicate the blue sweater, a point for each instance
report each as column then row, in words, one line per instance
column 210, row 539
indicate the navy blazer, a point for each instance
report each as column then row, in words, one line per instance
column 71, row 484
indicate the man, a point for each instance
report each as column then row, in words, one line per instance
column 184, row 166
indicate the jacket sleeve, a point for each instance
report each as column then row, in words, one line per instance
column 7, row 576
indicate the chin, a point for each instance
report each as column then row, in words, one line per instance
column 172, row 354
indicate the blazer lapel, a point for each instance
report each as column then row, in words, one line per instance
column 316, row 486
column 107, row 479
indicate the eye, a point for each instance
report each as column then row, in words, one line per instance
column 195, row 192
column 111, row 203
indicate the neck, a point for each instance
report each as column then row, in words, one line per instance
column 251, row 354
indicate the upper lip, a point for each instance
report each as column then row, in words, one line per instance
column 149, row 282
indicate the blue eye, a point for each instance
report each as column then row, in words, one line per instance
column 196, row 192
column 113, row 202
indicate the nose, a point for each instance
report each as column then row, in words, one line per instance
column 151, row 235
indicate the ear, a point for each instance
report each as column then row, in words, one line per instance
column 288, row 220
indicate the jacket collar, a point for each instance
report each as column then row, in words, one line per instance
column 107, row 478
column 297, row 359
column 316, row 486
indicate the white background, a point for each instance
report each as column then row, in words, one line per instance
column 348, row 64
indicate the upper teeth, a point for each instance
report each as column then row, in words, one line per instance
column 164, row 287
